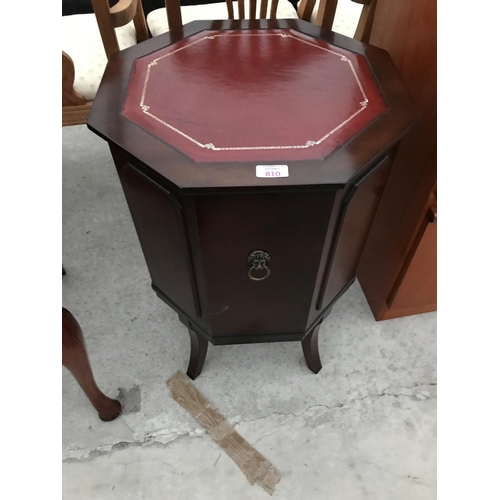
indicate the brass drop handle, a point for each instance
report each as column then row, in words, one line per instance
column 258, row 261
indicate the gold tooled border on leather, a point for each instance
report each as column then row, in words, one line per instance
column 310, row 143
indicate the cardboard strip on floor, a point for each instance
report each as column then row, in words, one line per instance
column 255, row 467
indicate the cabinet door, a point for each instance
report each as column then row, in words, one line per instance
column 416, row 291
column 291, row 229
column 352, row 225
column 160, row 226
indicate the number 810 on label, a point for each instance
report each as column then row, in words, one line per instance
column 268, row 171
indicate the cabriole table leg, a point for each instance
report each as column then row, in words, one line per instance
column 199, row 346
column 75, row 359
column 311, row 351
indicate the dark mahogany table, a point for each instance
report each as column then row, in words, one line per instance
column 252, row 155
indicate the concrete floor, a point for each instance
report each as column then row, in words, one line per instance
column 363, row 428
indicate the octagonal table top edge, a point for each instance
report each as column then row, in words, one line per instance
column 348, row 160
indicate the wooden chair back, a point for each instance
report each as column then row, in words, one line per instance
column 327, row 10
column 75, row 109
column 252, row 11
column 364, row 28
column 267, row 10
column 109, row 18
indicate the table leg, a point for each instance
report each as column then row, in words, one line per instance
column 199, row 346
column 75, row 359
column 311, row 351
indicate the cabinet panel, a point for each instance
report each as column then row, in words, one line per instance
column 158, row 219
column 291, row 228
column 353, row 229
column 417, row 290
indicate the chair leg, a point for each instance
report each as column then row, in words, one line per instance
column 75, row 359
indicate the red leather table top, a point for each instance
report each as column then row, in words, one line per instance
column 253, row 95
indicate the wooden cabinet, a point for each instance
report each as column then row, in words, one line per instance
column 415, row 290
column 397, row 270
column 195, row 116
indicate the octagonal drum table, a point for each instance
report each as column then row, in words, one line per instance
column 252, row 155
